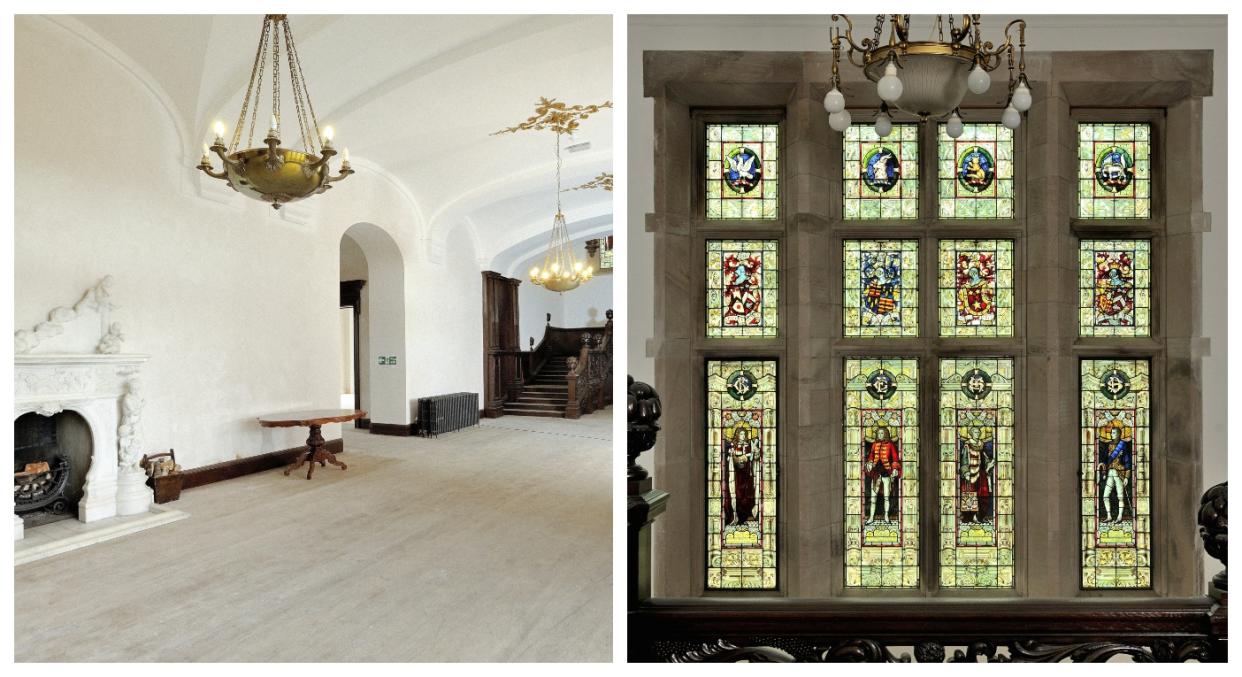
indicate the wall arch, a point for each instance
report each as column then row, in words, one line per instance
column 385, row 299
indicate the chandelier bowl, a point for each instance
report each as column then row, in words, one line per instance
column 293, row 176
column 933, row 75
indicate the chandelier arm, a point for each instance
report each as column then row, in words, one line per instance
column 987, row 52
column 849, row 32
column 256, row 68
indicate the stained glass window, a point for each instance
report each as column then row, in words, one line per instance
column 742, row 288
column 743, row 171
column 976, row 473
column 976, row 172
column 741, row 474
column 881, row 287
column 1115, row 458
column 881, row 176
column 1114, row 287
column 976, row 287
column 605, row 253
column 1114, row 170
column 881, row 472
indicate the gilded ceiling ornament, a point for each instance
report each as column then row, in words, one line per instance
column 604, row 181
column 557, row 116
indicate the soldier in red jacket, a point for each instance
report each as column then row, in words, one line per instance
column 883, row 465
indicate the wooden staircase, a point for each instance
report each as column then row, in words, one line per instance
column 546, row 394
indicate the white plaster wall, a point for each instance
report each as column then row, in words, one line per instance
column 1044, row 33
column 534, row 303
column 236, row 304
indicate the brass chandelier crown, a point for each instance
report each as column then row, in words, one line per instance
column 928, row 78
column 272, row 173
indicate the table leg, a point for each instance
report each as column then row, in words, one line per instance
column 315, row 453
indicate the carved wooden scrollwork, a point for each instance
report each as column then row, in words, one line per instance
column 642, row 410
column 1214, row 528
column 1016, row 651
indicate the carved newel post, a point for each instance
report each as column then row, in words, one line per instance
column 643, row 503
column 1214, row 530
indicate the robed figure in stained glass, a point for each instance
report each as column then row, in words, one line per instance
column 1113, row 470
column 743, row 280
column 742, row 449
column 882, row 462
column 976, row 461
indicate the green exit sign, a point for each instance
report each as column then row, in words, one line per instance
column 388, row 360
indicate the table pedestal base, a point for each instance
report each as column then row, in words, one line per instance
column 315, row 453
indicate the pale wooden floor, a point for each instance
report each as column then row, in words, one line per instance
column 492, row 544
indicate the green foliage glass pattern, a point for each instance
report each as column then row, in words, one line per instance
column 742, row 288
column 976, row 473
column 881, row 283
column 1115, row 475
column 881, row 176
column 976, row 288
column 976, row 172
column 741, row 474
column 743, row 171
column 1114, row 170
column 1114, row 288
column 881, row 472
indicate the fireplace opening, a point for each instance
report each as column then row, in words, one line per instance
column 51, row 455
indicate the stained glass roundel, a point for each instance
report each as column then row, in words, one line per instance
column 1114, row 169
column 744, row 170
column 976, row 384
column 976, row 169
column 1115, row 384
column 741, row 385
column 880, row 384
column 881, row 169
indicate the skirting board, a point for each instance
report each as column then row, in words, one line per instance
column 227, row 470
column 61, row 537
column 399, row 429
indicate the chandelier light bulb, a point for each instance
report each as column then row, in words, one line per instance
column 889, row 87
column 840, row 120
column 978, row 81
column 273, row 127
column 1011, row 118
column 218, row 128
column 954, row 128
column 834, row 100
column 883, row 125
column 328, row 135
column 1022, row 97
column 206, row 150
column 345, row 155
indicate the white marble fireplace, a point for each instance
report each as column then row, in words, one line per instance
column 72, row 362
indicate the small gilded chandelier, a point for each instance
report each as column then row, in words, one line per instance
column 561, row 270
column 274, row 174
column 934, row 74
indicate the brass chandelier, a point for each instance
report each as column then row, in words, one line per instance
column 561, row 270
column 270, row 172
column 928, row 78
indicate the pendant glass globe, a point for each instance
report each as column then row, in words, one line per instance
column 840, row 120
column 889, row 87
column 1011, row 118
column 978, row 81
column 954, row 127
column 1022, row 97
column 883, row 125
column 834, row 101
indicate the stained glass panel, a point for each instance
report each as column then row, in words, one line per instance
column 1115, row 458
column 976, row 288
column 881, row 472
column 741, row 474
column 742, row 288
column 976, row 473
column 1114, row 170
column 743, row 165
column 881, row 176
column 976, row 172
column 881, row 286
column 1114, row 288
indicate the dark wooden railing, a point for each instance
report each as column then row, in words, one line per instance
column 786, row 630
column 590, row 372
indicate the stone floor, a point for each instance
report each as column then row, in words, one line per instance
column 491, row 544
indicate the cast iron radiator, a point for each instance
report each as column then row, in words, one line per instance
column 446, row 413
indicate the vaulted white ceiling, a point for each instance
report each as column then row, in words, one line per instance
column 415, row 96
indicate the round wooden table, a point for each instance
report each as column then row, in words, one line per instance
column 314, row 419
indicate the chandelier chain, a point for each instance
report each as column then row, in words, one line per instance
column 276, row 72
column 305, row 104
column 257, row 68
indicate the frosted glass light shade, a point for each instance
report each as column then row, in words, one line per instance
column 834, row 101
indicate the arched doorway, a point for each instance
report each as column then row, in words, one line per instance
column 373, row 365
